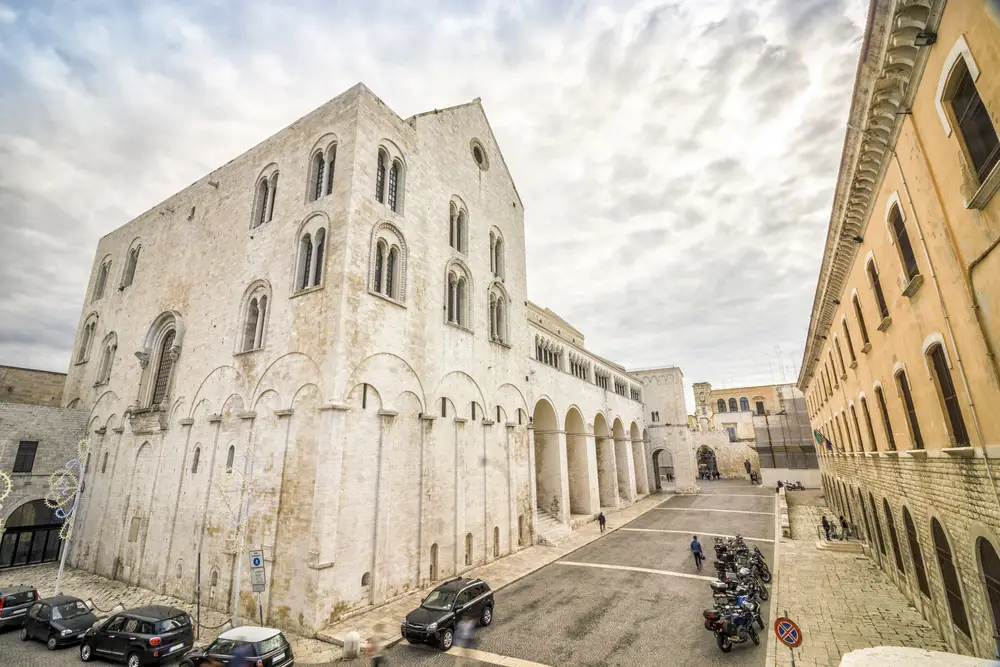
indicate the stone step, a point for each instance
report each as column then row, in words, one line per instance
column 846, row 546
column 550, row 530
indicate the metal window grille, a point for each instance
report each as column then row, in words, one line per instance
column 330, row 168
column 379, row 259
column 320, row 247
column 394, row 184
column 24, row 460
column 319, row 166
column 263, row 193
column 390, row 270
column 976, row 126
column 164, row 367
column 307, row 251
column 380, row 178
column 950, row 578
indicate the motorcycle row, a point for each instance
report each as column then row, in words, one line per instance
column 737, row 594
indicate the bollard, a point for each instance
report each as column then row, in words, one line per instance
column 352, row 645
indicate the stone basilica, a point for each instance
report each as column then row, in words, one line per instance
column 324, row 349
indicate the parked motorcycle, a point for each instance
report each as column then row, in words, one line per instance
column 793, row 486
column 732, row 624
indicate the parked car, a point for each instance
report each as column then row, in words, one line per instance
column 433, row 622
column 58, row 621
column 263, row 647
column 14, row 604
column 142, row 636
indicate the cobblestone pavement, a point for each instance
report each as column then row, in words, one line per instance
column 842, row 601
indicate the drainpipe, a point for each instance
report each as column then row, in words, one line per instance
column 947, row 322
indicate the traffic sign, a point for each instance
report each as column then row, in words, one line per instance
column 256, row 559
column 788, row 632
column 258, row 578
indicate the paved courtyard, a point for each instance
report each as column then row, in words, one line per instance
column 842, row 601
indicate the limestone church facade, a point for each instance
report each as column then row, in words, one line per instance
column 324, row 349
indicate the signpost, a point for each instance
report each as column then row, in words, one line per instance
column 258, row 578
column 789, row 634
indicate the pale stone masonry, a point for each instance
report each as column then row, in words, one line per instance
column 347, row 301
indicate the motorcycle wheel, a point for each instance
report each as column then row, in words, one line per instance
column 760, row 621
column 724, row 644
column 764, row 595
column 753, row 635
column 765, row 575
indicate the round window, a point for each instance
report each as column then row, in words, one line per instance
column 479, row 155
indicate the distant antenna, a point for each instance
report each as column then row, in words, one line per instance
column 771, row 367
column 781, row 365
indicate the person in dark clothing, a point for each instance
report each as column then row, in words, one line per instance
column 843, row 527
column 696, row 550
column 602, row 520
column 826, row 528
column 746, row 464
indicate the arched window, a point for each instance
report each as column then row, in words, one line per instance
column 744, row 404
column 946, row 390
column 164, row 366
column 840, row 356
column 868, row 424
column 102, row 279
column 861, row 320
column 850, row 343
column 498, row 314
column 366, row 579
column 195, row 459
column 311, row 249
column 833, row 367
column 230, row 455
column 841, row 443
column 496, row 253
column 458, row 227
column 857, row 428
column 457, row 305
column 884, row 409
column 891, row 524
column 883, row 308
column 305, row 260
column 395, row 173
column 496, row 541
column 263, row 203
column 160, row 350
column 380, row 167
column 721, row 405
column 131, row 261
column 388, row 262
column 989, row 568
column 434, row 562
column 975, row 127
column 318, row 176
column 847, row 427
column 254, row 312
column 109, row 347
column 878, row 524
column 911, row 412
column 733, row 407
column 266, row 191
column 331, row 163
column 902, row 239
column 468, row 548
column 949, row 576
column 915, row 553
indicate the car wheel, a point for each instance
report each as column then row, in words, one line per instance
column 52, row 643
column 447, row 637
column 133, row 660
column 86, row 652
column 487, row 616
column 23, row 634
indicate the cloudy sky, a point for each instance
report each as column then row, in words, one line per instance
column 677, row 160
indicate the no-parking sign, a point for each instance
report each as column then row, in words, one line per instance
column 788, row 632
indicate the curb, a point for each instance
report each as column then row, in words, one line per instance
column 772, row 642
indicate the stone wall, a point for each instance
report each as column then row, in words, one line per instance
column 57, row 431
column 956, row 490
column 31, row 387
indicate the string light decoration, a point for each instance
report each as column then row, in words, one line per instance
column 65, row 488
column 236, row 488
column 6, row 484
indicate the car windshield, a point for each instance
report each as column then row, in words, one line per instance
column 174, row 623
column 439, row 600
column 272, row 644
column 69, row 610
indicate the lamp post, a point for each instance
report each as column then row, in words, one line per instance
column 65, row 487
column 240, row 482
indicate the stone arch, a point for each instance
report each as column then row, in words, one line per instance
column 582, row 494
column 386, row 370
column 462, row 390
column 217, row 387
column 550, row 482
column 638, row 459
column 708, row 461
column 951, row 579
column 285, row 374
column 607, row 475
column 623, row 463
column 986, row 549
column 389, row 238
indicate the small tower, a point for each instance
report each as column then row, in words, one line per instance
column 704, row 411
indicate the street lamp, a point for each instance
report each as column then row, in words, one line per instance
column 65, row 487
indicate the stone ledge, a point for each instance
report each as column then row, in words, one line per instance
column 964, row 452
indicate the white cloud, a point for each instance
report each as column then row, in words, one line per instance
column 688, row 151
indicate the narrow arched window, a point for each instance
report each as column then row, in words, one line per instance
column 857, row 428
column 274, row 197
column 319, row 180
column 102, row 280
column 380, row 176
column 721, row 405
column 915, row 552
column 320, row 245
column 460, row 305
column 306, row 253
column 130, row 266
column 902, row 239
column 861, row 320
column 840, row 356
column 331, row 164
column 884, row 409
column 195, row 459
column 390, row 272
column 946, row 389
column 949, row 576
column 868, row 424
column 165, row 365
column 453, row 226
column 989, row 565
column 841, row 443
column 878, row 524
column 379, row 263
column 499, row 258
column 911, row 411
column 493, row 244
column 744, row 404
column 468, row 548
column 891, row 525
column 883, row 308
column 451, row 296
column 104, row 463
column 974, row 122
column 230, row 455
column 733, row 407
column 850, row 344
column 500, row 320
column 263, row 203
column 250, row 327
column 394, row 184
column 493, row 324
column 460, row 231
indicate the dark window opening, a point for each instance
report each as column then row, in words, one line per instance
column 883, row 308
column 884, row 409
column 911, row 411
column 949, row 575
column 950, row 397
column 915, row 553
column 975, row 124
column 24, row 460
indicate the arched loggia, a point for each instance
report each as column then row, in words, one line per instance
column 582, row 499
column 549, row 462
column 607, row 476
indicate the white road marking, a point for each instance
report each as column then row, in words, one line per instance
column 691, row 532
column 636, row 569
column 707, row 509
column 483, row 656
column 740, row 495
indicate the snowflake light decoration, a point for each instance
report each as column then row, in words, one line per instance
column 233, row 485
column 6, row 484
column 64, row 485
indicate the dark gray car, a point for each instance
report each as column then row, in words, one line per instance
column 14, row 604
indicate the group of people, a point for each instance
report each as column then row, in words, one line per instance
column 828, row 526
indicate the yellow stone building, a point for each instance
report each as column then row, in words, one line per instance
column 900, row 369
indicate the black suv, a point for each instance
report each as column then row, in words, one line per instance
column 433, row 622
column 14, row 604
column 142, row 636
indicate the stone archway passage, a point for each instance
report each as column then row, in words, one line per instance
column 548, row 461
column 579, row 463
column 607, row 476
column 639, row 460
column 663, row 467
column 706, row 462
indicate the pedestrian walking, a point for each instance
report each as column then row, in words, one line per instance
column 826, row 528
column 602, row 520
column 843, row 527
column 746, row 464
column 696, row 550
column 376, row 646
column 465, row 637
